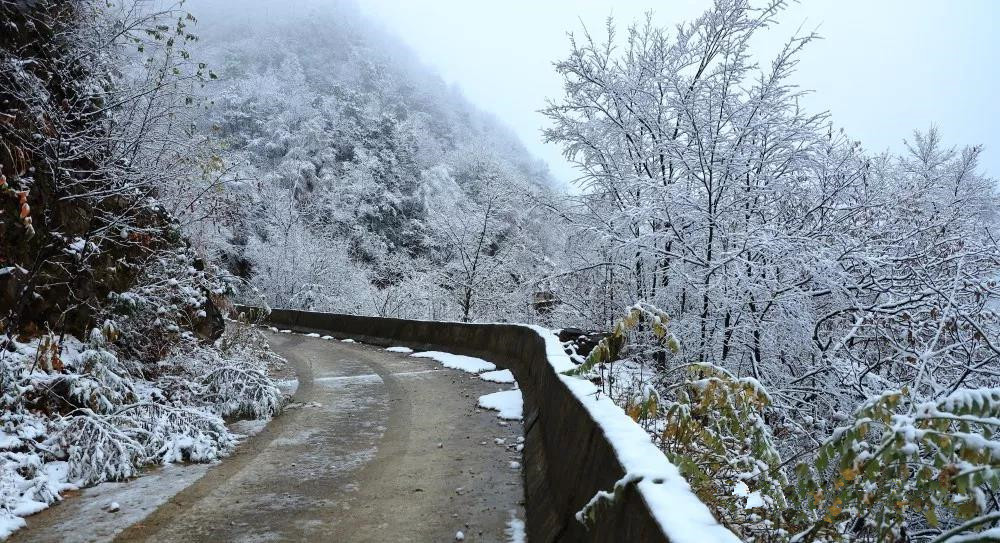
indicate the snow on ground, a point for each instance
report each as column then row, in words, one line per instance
column 344, row 380
column 499, row 376
column 88, row 517
column 515, row 530
column 509, row 403
column 287, row 386
column 681, row 515
column 249, row 427
column 51, row 477
column 399, row 350
column 9, row 525
column 457, row 361
column 54, row 475
column 348, row 340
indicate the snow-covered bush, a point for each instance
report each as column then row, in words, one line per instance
column 98, row 419
column 99, row 381
column 230, row 377
column 901, row 469
column 177, row 417
column 98, row 448
column 708, row 422
column 102, row 447
column 714, row 431
column 241, row 392
column 179, row 434
column 176, row 298
column 909, row 469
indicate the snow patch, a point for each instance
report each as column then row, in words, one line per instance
column 458, row 362
column 406, row 350
column 249, row 427
column 344, row 380
column 499, row 376
column 10, row 524
column 509, row 403
column 88, row 517
column 515, row 531
column 754, row 499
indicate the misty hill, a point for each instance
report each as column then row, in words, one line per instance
column 352, row 150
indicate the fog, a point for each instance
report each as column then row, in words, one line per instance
column 882, row 69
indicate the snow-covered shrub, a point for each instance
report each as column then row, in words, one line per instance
column 177, row 297
column 901, row 469
column 99, row 447
column 112, row 447
column 244, row 392
column 174, row 417
column 619, row 361
column 708, row 422
column 714, row 431
column 230, row 378
column 903, row 464
column 101, row 382
column 177, row 434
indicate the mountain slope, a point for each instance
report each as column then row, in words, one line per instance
column 360, row 173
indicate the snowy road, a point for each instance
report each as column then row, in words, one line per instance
column 378, row 446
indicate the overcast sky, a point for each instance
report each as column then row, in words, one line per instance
column 883, row 68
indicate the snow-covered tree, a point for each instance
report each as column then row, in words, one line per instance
column 782, row 251
column 339, row 133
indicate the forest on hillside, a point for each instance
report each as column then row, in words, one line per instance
column 806, row 328
column 350, row 178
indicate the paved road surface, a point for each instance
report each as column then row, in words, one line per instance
column 357, row 460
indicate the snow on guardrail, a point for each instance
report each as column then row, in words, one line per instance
column 680, row 514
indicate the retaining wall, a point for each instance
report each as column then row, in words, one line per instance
column 567, row 456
